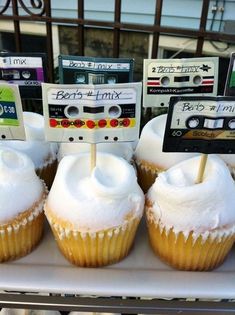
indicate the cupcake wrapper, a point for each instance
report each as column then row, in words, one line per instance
column 188, row 253
column 96, row 249
column 47, row 173
column 22, row 235
column 146, row 175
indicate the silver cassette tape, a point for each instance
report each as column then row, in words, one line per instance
column 92, row 113
column 164, row 78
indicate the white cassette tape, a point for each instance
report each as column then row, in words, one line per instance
column 92, row 113
column 11, row 117
column 164, row 78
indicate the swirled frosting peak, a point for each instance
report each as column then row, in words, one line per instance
column 149, row 147
column 19, row 185
column 35, row 146
column 98, row 199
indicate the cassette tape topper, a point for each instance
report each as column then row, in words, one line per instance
column 92, row 113
column 230, row 80
column 90, row 70
column 164, row 78
column 11, row 113
column 27, row 70
column 203, row 124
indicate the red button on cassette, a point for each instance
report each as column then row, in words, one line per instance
column 113, row 122
column 90, row 124
column 102, row 123
column 53, row 123
column 65, row 123
column 78, row 123
column 126, row 122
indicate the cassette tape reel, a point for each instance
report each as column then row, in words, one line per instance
column 98, row 116
column 164, row 78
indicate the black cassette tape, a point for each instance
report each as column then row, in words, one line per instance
column 88, row 70
column 203, row 124
column 28, row 71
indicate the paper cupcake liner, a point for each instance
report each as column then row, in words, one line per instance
column 96, row 249
column 146, row 174
column 21, row 235
column 188, row 253
column 47, row 172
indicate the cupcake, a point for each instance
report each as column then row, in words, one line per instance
column 192, row 226
column 229, row 160
column 148, row 156
column 122, row 149
column 42, row 153
column 94, row 214
column 22, row 195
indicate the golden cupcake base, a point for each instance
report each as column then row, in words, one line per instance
column 146, row 174
column 96, row 249
column 19, row 237
column 189, row 253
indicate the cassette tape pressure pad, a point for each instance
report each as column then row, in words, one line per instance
column 164, row 78
column 92, row 113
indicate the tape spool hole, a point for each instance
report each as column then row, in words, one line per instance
column 193, row 122
column 114, row 111
column 231, row 124
column 197, row 79
column 165, row 80
column 26, row 74
column 72, row 111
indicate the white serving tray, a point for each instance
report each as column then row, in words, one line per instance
column 141, row 274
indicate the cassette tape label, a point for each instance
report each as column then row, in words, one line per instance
column 11, row 121
column 27, row 71
column 72, row 112
column 89, row 70
column 165, row 78
column 200, row 124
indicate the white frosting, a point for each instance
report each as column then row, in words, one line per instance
column 149, row 147
column 122, row 149
column 180, row 203
column 95, row 200
column 20, row 187
column 35, row 145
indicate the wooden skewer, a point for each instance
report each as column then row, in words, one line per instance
column 202, row 167
column 93, row 156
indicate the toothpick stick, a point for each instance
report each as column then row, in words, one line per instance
column 93, row 155
column 202, row 167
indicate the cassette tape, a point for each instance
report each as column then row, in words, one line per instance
column 11, row 117
column 28, row 71
column 92, row 113
column 89, row 70
column 164, row 78
column 230, row 80
column 203, row 124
